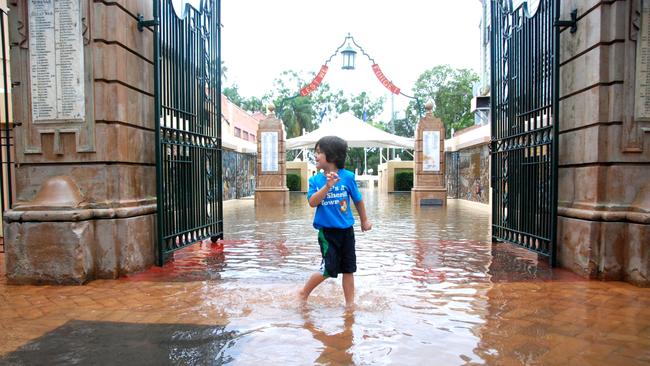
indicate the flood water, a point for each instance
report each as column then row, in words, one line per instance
column 431, row 289
column 420, row 287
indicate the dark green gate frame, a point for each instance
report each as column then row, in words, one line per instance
column 524, row 68
column 187, row 87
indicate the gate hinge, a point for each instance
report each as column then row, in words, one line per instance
column 145, row 23
column 573, row 23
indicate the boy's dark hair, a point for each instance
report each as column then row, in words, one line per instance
column 334, row 148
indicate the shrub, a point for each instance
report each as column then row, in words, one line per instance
column 293, row 182
column 404, row 181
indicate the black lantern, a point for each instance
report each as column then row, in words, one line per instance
column 348, row 57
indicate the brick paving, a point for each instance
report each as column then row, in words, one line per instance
column 565, row 320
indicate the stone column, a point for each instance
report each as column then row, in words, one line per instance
column 85, row 163
column 271, row 183
column 604, row 162
column 429, row 184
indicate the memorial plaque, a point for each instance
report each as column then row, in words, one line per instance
column 269, row 151
column 642, row 87
column 56, row 60
column 431, row 151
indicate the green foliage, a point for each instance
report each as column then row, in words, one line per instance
column 293, row 182
column 252, row 104
column 295, row 111
column 296, row 114
column 406, row 126
column 451, row 91
column 372, row 108
column 232, row 93
column 404, row 180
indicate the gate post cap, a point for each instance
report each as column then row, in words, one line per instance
column 429, row 108
column 271, row 108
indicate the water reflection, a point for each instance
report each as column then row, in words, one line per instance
column 431, row 289
column 336, row 346
column 421, row 283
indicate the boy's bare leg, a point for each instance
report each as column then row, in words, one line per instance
column 348, row 290
column 311, row 284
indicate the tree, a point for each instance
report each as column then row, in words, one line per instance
column 295, row 111
column 252, row 104
column 366, row 109
column 297, row 114
column 451, row 91
column 328, row 103
column 232, row 93
column 406, row 126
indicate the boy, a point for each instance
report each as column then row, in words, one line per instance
column 330, row 193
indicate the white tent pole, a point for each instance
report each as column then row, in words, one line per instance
column 365, row 161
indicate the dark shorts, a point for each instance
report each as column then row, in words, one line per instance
column 337, row 248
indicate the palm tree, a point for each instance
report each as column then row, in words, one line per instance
column 296, row 114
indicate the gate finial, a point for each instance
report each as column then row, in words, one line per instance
column 429, row 108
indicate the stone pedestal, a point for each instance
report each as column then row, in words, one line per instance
column 429, row 184
column 271, row 181
column 91, row 156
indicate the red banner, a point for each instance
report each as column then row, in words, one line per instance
column 383, row 80
column 315, row 83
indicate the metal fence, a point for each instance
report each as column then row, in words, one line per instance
column 468, row 174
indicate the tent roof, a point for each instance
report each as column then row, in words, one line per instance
column 353, row 130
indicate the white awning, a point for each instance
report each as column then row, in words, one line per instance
column 353, row 130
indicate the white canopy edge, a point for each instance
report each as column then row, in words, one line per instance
column 353, row 130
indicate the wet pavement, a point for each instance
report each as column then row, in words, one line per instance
column 431, row 289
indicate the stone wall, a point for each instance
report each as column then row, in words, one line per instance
column 468, row 174
column 604, row 162
column 108, row 156
column 238, row 174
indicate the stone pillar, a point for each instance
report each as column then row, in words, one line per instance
column 429, row 184
column 271, row 183
column 604, row 162
column 85, row 161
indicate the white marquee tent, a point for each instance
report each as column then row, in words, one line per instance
column 353, row 130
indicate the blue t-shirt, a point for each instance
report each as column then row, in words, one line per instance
column 334, row 211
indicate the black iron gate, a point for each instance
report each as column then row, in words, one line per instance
column 188, row 124
column 524, row 49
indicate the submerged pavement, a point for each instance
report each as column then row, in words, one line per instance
column 431, row 288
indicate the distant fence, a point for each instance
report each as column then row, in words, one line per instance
column 468, row 174
column 238, row 175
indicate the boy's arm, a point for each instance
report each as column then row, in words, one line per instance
column 319, row 196
column 361, row 209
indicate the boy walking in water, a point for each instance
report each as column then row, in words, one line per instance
column 330, row 192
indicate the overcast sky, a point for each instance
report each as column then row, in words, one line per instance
column 262, row 38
